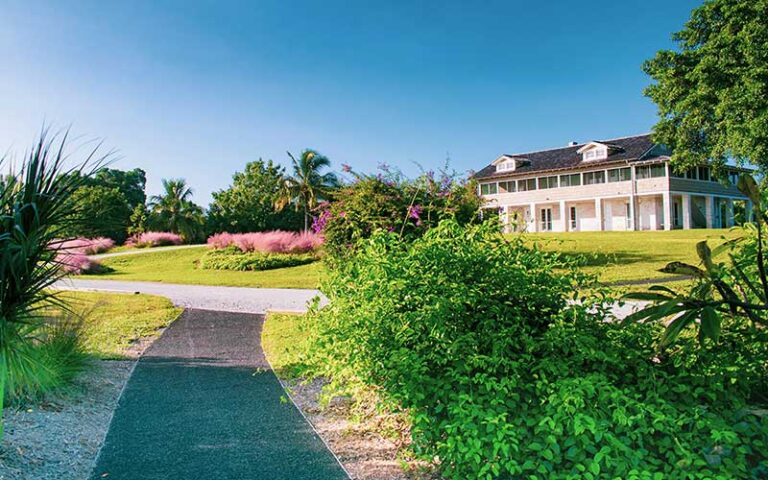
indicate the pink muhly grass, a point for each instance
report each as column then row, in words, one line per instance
column 87, row 246
column 276, row 241
column 154, row 239
column 76, row 263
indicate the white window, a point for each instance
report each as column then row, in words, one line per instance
column 592, row 178
column 572, row 180
column 508, row 187
column 596, row 154
column 620, row 174
column 526, row 185
column 547, row 182
column 505, row 166
column 488, row 189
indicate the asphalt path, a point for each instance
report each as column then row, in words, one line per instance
column 204, row 404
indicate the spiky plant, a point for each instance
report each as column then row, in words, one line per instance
column 34, row 212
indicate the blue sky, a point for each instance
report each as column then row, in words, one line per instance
column 197, row 89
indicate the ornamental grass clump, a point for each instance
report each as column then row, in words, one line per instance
column 154, row 239
column 506, row 370
column 87, row 246
column 276, row 241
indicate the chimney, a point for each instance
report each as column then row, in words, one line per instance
column 572, row 143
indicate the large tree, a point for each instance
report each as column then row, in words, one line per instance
column 174, row 211
column 131, row 183
column 712, row 91
column 308, row 185
column 248, row 205
column 104, row 212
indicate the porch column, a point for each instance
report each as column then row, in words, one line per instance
column 728, row 213
column 686, row 211
column 748, row 210
column 504, row 219
column 563, row 220
column 666, row 213
column 599, row 213
column 632, row 217
column 709, row 210
column 534, row 220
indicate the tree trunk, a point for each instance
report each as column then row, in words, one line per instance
column 3, row 382
column 306, row 219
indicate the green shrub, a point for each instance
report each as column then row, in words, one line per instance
column 393, row 203
column 506, row 373
column 232, row 258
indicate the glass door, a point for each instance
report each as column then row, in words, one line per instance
column 546, row 219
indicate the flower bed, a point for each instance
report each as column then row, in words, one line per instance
column 154, row 239
column 276, row 241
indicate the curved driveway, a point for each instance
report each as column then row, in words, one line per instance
column 222, row 299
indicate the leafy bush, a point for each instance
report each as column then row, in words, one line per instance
column 232, row 258
column 507, row 373
column 248, row 204
column 391, row 202
column 276, row 241
column 154, row 239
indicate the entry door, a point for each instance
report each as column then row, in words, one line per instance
column 574, row 220
column 546, row 219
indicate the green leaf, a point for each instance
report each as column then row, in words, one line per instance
column 705, row 254
column 748, row 186
column 649, row 296
column 710, row 323
column 680, row 268
column 676, row 326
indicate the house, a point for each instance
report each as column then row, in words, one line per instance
column 618, row 184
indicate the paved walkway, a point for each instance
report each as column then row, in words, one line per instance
column 203, row 404
column 225, row 299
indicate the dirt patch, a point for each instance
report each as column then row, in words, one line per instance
column 60, row 439
column 360, row 444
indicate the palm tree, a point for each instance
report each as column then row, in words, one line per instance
column 308, row 186
column 174, row 210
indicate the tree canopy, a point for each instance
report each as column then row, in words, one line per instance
column 712, row 92
column 174, row 211
column 248, row 205
column 308, row 185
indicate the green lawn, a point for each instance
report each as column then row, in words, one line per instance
column 113, row 322
column 283, row 341
column 621, row 256
column 180, row 266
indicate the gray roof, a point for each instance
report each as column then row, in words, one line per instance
column 621, row 150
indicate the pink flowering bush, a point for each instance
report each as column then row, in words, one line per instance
column 276, row 241
column 76, row 263
column 87, row 246
column 154, row 239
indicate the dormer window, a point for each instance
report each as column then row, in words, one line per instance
column 593, row 151
column 595, row 154
column 505, row 163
